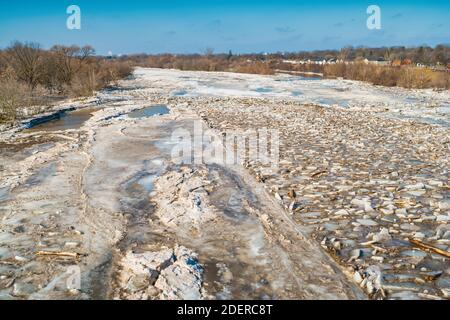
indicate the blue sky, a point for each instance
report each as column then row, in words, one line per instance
column 154, row 26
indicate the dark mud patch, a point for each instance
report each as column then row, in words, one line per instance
column 41, row 175
column 25, row 144
column 138, row 207
column 230, row 194
column 61, row 121
column 234, row 251
column 4, row 194
column 100, row 285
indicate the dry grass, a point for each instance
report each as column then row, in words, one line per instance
column 256, row 67
column 405, row 76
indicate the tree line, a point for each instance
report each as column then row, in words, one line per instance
column 30, row 75
column 399, row 67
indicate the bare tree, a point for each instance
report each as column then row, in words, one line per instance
column 86, row 52
column 69, row 60
column 63, row 57
column 209, row 52
column 345, row 53
column 26, row 60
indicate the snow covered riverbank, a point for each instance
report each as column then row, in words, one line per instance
column 424, row 105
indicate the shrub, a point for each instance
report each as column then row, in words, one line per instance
column 12, row 98
column 256, row 67
column 415, row 78
column 98, row 75
column 440, row 80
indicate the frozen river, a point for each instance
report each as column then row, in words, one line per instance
column 423, row 105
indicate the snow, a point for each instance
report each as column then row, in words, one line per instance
column 424, row 105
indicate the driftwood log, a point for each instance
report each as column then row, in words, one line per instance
column 428, row 247
column 58, row 254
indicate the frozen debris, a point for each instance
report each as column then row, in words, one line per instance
column 403, row 295
column 342, row 212
column 357, row 277
column 442, row 218
column 446, row 293
column 278, row 197
column 292, row 206
column 443, row 232
column 20, row 259
column 23, row 289
column 444, row 205
column 373, row 279
column 409, row 227
column 418, row 235
column 72, row 245
column 429, row 296
column 147, row 264
column 382, row 236
column 183, row 279
column 417, row 186
column 363, row 204
column 168, row 274
column 367, row 222
column 336, row 244
column 182, row 199
column 355, row 254
column 377, row 258
column 362, row 192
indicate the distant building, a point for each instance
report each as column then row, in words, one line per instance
column 396, row 63
column 406, row 62
column 382, row 62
